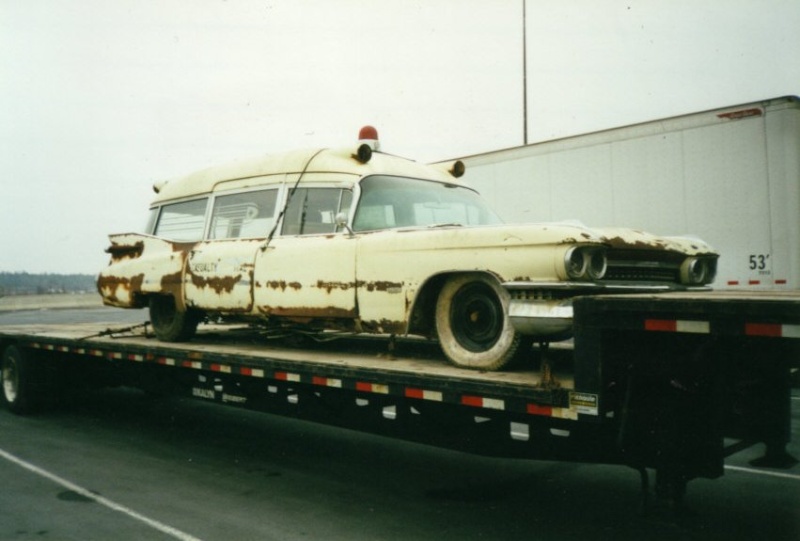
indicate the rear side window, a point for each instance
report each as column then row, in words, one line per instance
column 182, row 221
column 243, row 215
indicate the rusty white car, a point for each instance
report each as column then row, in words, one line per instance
column 361, row 241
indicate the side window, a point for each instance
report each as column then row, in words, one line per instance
column 313, row 210
column 243, row 215
column 182, row 221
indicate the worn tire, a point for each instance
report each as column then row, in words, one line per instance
column 473, row 325
column 169, row 323
column 20, row 389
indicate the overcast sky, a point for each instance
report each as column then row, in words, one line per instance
column 99, row 99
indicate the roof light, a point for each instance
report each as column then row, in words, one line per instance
column 368, row 135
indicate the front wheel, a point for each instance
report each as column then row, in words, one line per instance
column 473, row 325
column 169, row 323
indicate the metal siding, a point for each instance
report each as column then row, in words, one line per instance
column 719, row 175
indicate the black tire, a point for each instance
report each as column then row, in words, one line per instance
column 473, row 325
column 20, row 390
column 169, row 323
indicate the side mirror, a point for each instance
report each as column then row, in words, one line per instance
column 341, row 222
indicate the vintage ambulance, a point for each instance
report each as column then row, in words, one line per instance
column 355, row 240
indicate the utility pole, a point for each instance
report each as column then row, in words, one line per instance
column 524, row 77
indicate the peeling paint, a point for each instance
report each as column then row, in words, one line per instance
column 220, row 285
column 283, row 285
column 111, row 288
column 307, row 314
column 121, row 252
column 621, row 243
column 384, row 326
column 330, row 286
column 386, row 287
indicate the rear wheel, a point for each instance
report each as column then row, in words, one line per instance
column 19, row 383
column 171, row 324
column 473, row 325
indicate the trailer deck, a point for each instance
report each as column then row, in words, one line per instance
column 670, row 382
column 414, row 369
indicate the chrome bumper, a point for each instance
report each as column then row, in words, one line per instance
column 541, row 318
column 549, row 317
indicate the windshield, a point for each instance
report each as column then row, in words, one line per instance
column 388, row 202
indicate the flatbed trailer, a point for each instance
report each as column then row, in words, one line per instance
column 671, row 383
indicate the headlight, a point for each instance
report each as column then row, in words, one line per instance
column 585, row 263
column 575, row 264
column 696, row 271
column 597, row 264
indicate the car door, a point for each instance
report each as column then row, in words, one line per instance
column 308, row 271
column 219, row 274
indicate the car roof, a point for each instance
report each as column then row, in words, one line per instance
column 340, row 161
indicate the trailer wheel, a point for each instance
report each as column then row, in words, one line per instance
column 19, row 381
column 473, row 325
column 169, row 323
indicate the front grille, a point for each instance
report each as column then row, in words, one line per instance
column 644, row 266
column 642, row 274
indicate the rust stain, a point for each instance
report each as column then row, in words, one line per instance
column 282, row 285
column 109, row 286
column 185, row 247
column 330, row 286
column 219, row 284
column 120, row 252
column 172, row 284
column 383, row 286
column 170, row 281
column 619, row 242
column 307, row 313
column 384, row 326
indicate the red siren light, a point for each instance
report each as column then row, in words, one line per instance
column 368, row 133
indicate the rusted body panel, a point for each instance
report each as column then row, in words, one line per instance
column 155, row 266
column 371, row 272
column 307, row 276
column 219, row 275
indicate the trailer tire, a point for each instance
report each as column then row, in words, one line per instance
column 20, row 382
column 169, row 323
column 473, row 325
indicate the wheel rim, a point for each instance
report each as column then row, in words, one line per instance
column 477, row 317
column 10, row 381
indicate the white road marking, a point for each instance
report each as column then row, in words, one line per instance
column 764, row 472
column 169, row 530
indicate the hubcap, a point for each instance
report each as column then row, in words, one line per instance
column 477, row 317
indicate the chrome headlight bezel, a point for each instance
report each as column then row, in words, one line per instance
column 698, row 271
column 585, row 263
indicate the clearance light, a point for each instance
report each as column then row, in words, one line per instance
column 458, row 169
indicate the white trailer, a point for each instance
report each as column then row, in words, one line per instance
column 730, row 176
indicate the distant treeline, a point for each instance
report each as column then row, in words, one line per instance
column 23, row 283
